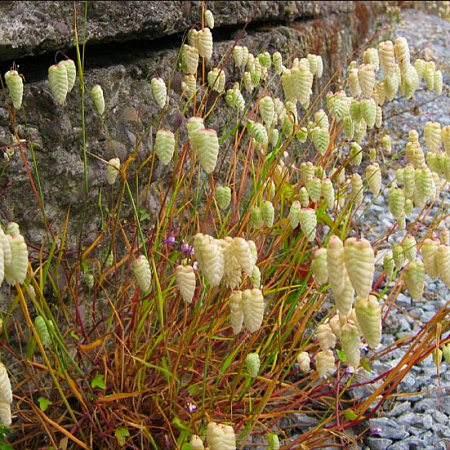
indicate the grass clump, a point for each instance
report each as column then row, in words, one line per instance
column 245, row 299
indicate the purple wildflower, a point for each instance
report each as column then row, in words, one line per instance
column 170, row 240
column 376, row 431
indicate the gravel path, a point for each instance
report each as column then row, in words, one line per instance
column 421, row 420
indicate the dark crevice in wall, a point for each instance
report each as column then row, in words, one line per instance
column 101, row 55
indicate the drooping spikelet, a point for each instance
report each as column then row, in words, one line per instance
column 196, row 443
column 212, row 260
column 308, row 223
column 368, row 314
column 314, row 186
column 353, row 80
column 351, row 343
column 319, row 265
column 253, row 363
column 273, row 441
column 373, row 175
column 256, row 217
column 357, row 188
column 98, row 98
column 42, row 331
column 15, row 85
column 443, row 263
column 17, row 266
column 432, row 132
column 277, row 62
column 209, row 19
column 236, row 311
column 216, row 79
column 429, row 250
column 205, row 144
column 424, row 186
column 328, row 192
column 204, row 43
column 253, row 309
column 396, row 197
column 185, row 279
column 190, row 58
column 142, row 272
column 325, row 363
column 401, row 50
column 304, row 361
column 410, row 247
column 220, row 437
column 294, row 214
column 267, row 213
column 409, row 181
column 223, row 196
column 58, row 81
column 69, row 64
column 5, row 397
column 165, row 145
column 387, row 57
column 159, row 90
column 112, row 170
column 414, row 276
column 321, row 139
column 336, row 264
column 344, row 301
column 258, row 131
column 369, row 111
column 388, row 264
column 325, row 337
column 366, row 76
column 360, row 264
column 266, row 109
column 438, row 82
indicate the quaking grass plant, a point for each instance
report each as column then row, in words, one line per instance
column 253, row 293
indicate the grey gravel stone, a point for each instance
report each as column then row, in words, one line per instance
column 438, row 416
column 376, row 443
column 400, row 408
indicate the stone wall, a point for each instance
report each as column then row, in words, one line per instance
column 127, row 43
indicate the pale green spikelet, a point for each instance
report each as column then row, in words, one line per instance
column 205, row 144
column 256, row 217
column 410, row 248
column 59, row 82
column 15, row 85
column 216, row 80
column 159, row 90
column 268, row 213
column 438, row 82
column 277, row 62
column 402, row 53
column 360, row 264
column 368, row 314
column 42, row 330
column 373, row 175
column 386, row 56
column 445, row 136
column 204, row 43
column 349, row 128
column 294, row 214
column 429, row 255
column 355, row 153
column 420, row 65
column 223, row 196
column 388, row 264
column 357, row 189
column 443, row 263
column 446, row 353
column 190, row 58
column 258, row 131
column 304, row 197
column 253, row 363
column 321, row 139
column 386, row 143
column 325, row 363
column 369, row 111
column 428, row 74
column 314, row 186
column 165, row 145
column 253, row 309
column 399, row 255
column 273, row 441
column 379, row 117
column 396, row 197
column 307, row 170
column 409, row 181
column 414, row 276
column 185, row 280
column 366, row 77
column 236, row 311
column 351, row 343
column 220, row 437
column 353, row 81
column 319, row 266
column 209, row 19
column 328, row 192
column 266, row 109
column 344, row 301
column 98, row 98
column 336, row 264
column 308, row 223
column 325, row 337
column 112, row 170
column 432, row 132
column 141, row 269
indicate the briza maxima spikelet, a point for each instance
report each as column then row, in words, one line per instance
column 206, row 145
column 16, row 270
column 414, row 276
column 432, row 132
column 360, row 264
column 353, row 81
column 304, row 361
column 112, row 170
column 141, row 268
column 190, row 58
column 159, row 90
column 294, row 214
column 253, row 308
column 368, row 313
column 223, row 196
column 213, row 262
column 240, row 249
column 443, row 263
column 373, row 175
column 277, row 62
column 366, row 76
column 98, row 98
column 321, row 139
column 314, row 186
column 253, row 363
column 336, row 265
column 216, row 80
column 386, row 56
column 204, row 43
column 350, row 342
column 401, row 50
column 5, row 414
column 410, row 248
column 319, row 266
column 209, row 19
column 325, row 363
column 15, row 85
column 220, row 437
column 325, row 337
column 273, row 441
column 42, row 331
column 328, row 192
column 5, row 385
column 267, row 213
column 344, row 301
column 267, row 110
column 308, row 223
column 388, row 264
column 236, row 311
column 165, row 145
column 58, row 81
column 185, row 279
column 429, row 255
column 69, row 64
column 196, row 443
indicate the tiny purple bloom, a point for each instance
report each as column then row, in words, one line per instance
column 364, row 347
column 170, row 240
column 349, row 370
column 195, row 265
column 187, row 249
column 376, row 431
